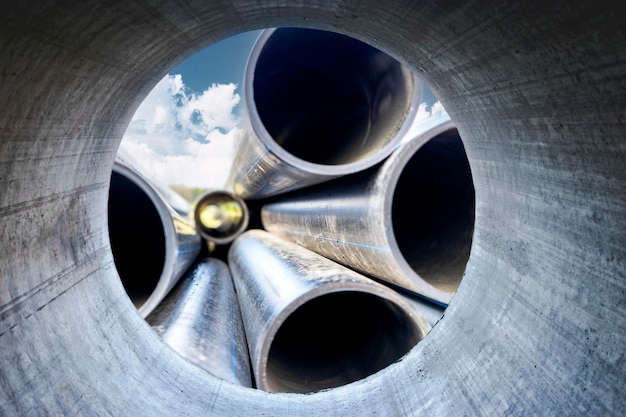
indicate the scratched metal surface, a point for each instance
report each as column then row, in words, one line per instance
column 278, row 282
column 201, row 320
column 360, row 220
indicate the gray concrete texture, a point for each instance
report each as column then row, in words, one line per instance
column 537, row 89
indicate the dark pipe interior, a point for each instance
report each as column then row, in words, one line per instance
column 433, row 211
column 336, row 339
column 327, row 98
column 137, row 238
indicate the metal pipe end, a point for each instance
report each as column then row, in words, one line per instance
column 328, row 103
column 152, row 243
column 318, row 105
column 431, row 205
column 337, row 338
column 312, row 324
column 415, row 211
column 220, row 216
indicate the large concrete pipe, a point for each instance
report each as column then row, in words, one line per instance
column 153, row 242
column 319, row 105
column 201, row 320
column 536, row 89
column 408, row 221
column 312, row 324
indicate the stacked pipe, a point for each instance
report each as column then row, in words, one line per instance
column 200, row 319
column 319, row 105
column 153, row 239
column 311, row 323
column 296, row 318
column 220, row 216
column 408, row 221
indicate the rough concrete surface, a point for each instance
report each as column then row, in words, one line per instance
column 537, row 89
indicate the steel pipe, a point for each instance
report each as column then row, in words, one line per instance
column 201, row 320
column 319, row 105
column 311, row 323
column 153, row 243
column 220, row 216
column 408, row 221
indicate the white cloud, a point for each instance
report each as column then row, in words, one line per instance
column 203, row 166
column 180, row 137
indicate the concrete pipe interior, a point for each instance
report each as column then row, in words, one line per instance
column 336, row 339
column 433, row 211
column 352, row 105
column 536, row 90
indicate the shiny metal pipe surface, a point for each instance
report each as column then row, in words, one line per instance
column 311, row 323
column 408, row 221
column 200, row 319
column 319, row 105
column 153, row 243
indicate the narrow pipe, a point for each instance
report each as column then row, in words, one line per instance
column 318, row 105
column 408, row 221
column 311, row 323
column 201, row 320
column 153, row 243
column 220, row 216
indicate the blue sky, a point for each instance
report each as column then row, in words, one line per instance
column 185, row 131
column 221, row 63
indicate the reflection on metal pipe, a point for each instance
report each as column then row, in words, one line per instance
column 319, row 105
column 153, row 243
column 408, row 221
column 311, row 323
column 220, row 216
column 200, row 319
column 432, row 312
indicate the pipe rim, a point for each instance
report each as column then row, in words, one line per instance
column 394, row 168
column 279, row 152
column 242, row 226
column 260, row 358
column 164, row 283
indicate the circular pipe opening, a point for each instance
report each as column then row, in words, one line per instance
column 220, row 216
column 584, row 214
column 433, row 211
column 137, row 238
column 336, row 339
column 346, row 350
column 327, row 98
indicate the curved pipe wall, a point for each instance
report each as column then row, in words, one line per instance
column 408, row 221
column 536, row 90
column 153, row 244
column 200, row 319
column 312, row 324
column 319, row 105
